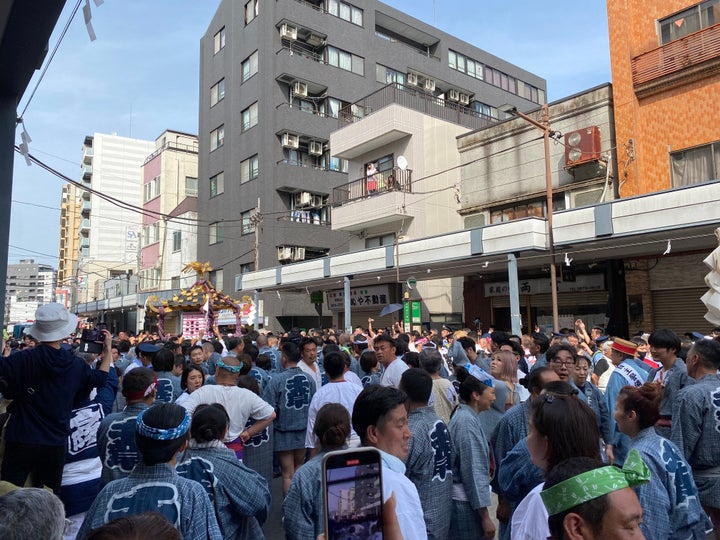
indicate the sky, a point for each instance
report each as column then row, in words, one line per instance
column 140, row 77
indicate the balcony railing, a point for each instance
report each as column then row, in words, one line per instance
column 417, row 100
column 304, row 216
column 695, row 54
column 370, row 186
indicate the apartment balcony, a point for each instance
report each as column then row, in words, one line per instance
column 88, row 154
column 85, row 208
column 308, row 217
column 414, row 99
column 87, row 171
column 85, row 225
column 376, row 200
column 677, row 63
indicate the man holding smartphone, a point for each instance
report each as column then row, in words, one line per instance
column 381, row 420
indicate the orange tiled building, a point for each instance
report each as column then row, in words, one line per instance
column 665, row 57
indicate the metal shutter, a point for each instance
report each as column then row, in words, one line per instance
column 680, row 310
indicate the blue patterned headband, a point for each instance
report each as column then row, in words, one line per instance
column 231, row 369
column 162, row 434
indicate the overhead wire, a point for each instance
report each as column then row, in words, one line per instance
column 50, row 58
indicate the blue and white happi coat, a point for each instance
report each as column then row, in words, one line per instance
column 156, row 488
column 696, row 431
column 670, row 503
column 429, row 467
column 240, row 495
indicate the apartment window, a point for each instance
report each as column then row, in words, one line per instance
column 689, row 20
column 151, row 189
column 217, row 137
column 377, row 241
column 247, row 267
column 191, row 186
column 216, row 278
column 695, row 165
column 249, row 169
column 216, row 232
column 219, row 41
column 331, row 107
column 151, row 234
column 176, row 241
column 250, row 117
column 345, row 60
column 249, row 66
column 217, row 184
column 217, row 92
column 523, row 209
column 345, row 11
column 485, row 110
column 386, row 75
column 339, row 165
column 251, row 10
column 247, row 223
column 175, row 282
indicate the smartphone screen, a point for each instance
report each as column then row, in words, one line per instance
column 353, row 494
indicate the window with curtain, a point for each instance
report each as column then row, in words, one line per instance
column 250, row 117
column 695, row 165
column 249, row 66
column 249, row 169
column 689, row 20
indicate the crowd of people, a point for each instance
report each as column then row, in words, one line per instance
column 481, row 435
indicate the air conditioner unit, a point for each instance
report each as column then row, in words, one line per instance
column 315, row 148
column 585, row 197
column 453, row 95
column 303, row 198
column 298, row 254
column 464, row 99
column 290, row 140
column 317, row 200
column 582, row 146
column 288, row 31
column 412, row 79
column 429, row 85
column 315, row 41
column 477, row 220
column 284, row 253
column 300, row 89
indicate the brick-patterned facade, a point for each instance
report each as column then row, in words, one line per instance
column 676, row 110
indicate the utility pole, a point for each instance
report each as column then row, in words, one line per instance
column 257, row 219
column 544, row 126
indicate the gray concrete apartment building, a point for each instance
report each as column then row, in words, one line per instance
column 274, row 77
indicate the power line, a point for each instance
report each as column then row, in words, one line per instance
column 52, row 55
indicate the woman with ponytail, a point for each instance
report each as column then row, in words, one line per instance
column 303, row 505
column 671, row 508
column 240, row 495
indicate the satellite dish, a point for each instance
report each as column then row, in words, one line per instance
column 402, row 163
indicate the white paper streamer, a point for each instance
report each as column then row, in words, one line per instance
column 25, row 144
column 88, row 17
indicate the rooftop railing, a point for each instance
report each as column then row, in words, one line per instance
column 417, row 100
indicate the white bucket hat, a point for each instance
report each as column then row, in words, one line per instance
column 52, row 323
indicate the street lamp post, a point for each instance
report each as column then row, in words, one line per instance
column 544, row 126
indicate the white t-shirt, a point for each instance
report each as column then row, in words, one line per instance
column 392, row 374
column 351, row 377
column 314, row 373
column 530, row 519
column 239, row 403
column 343, row 393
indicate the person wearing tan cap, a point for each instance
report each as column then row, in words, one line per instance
column 629, row 371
